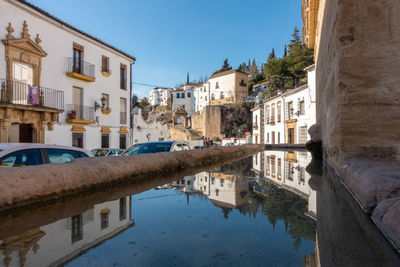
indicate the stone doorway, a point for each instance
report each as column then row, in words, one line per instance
column 21, row 133
column 181, row 116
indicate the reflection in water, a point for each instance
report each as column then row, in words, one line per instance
column 260, row 211
column 61, row 241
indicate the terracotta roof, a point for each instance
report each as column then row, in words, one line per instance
column 219, row 74
column 45, row 13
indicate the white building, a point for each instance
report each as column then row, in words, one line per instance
column 160, row 96
column 202, row 96
column 288, row 116
column 89, row 104
column 228, row 87
column 300, row 110
column 59, row 242
column 257, row 125
column 143, row 131
column 274, row 121
column 182, row 98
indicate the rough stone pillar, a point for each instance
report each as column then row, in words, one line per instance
column 358, row 80
column 4, row 125
column 41, row 132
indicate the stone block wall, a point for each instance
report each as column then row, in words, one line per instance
column 357, row 77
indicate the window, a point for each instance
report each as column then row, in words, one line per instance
column 302, row 175
column 77, row 58
column 279, row 167
column 212, row 180
column 205, row 98
column 188, row 182
column 273, row 166
column 205, row 89
column 105, row 140
column 122, row 117
column 267, row 165
column 216, row 85
column 178, row 95
column 76, row 228
column 77, row 140
column 122, row 141
column 104, row 218
column 301, row 107
column 61, row 155
column 189, row 94
column 182, row 95
column 273, row 114
column 267, row 117
column 279, row 137
column 106, row 101
column 289, row 110
column 222, row 181
column 178, row 147
column 267, row 138
column 279, row 111
column 122, row 208
column 22, row 158
column 222, row 95
column 216, row 192
column 212, row 96
column 123, row 76
column 205, row 179
column 303, row 135
column 105, row 64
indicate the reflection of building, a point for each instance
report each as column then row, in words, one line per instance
column 61, row 241
column 224, row 190
column 288, row 170
column 60, row 85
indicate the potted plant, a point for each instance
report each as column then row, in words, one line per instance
column 72, row 114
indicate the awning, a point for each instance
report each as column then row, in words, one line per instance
column 106, row 210
column 78, row 128
column 123, row 130
column 105, row 130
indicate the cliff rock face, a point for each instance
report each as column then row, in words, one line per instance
column 358, row 83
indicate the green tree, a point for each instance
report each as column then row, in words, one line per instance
column 144, row 102
column 272, row 54
column 134, row 101
column 299, row 58
column 277, row 71
column 225, row 66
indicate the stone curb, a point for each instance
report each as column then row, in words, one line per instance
column 28, row 185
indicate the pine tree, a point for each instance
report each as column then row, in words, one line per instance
column 285, row 52
column 225, row 66
column 272, row 54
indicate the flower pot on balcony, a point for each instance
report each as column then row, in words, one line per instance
column 72, row 115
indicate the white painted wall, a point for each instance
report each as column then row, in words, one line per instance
column 56, row 246
column 256, row 126
column 159, row 96
column 141, row 129
column 186, row 99
column 57, row 42
column 279, row 126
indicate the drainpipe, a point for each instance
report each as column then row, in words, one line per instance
column 130, row 103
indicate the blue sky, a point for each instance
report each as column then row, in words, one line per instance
column 172, row 37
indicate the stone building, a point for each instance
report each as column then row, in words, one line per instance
column 59, row 84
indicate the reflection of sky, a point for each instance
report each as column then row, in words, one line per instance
column 168, row 231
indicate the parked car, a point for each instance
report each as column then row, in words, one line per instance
column 155, row 147
column 198, row 147
column 101, row 152
column 229, row 144
column 27, row 154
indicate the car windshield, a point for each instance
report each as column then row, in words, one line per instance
column 148, row 148
column 100, row 152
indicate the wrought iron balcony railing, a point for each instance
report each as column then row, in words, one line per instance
column 80, row 67
column 19, row 93
column 79, row 112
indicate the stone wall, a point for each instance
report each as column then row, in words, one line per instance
column 33, row 184
column 209, row 122
column 358, row 85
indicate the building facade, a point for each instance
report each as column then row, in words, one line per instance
column 160, row 96
column 143, row 131
column 89, row 103
column 202, row 96
column 288, row 116
column 228, row 87
column 182, row 98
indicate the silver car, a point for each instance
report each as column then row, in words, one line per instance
column 155, row 147
column 106, row 152
column 27, row 154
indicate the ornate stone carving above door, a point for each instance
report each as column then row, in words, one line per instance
column 23, row 50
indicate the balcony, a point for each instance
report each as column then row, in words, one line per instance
column 106, row 71
column 19, row 93
column 81, row 70
column 242, row 84
column 272, row 120
column 79, row 114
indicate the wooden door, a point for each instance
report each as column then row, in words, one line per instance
column 291, row 136
column 77, row 96
column 273, row 138
column 25, row 133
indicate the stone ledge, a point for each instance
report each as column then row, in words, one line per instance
column 387, row 217
column 28, row 185
column 371, row 180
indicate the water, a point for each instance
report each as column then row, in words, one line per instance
column 260, row 211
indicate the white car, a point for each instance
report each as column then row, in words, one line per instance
column 27, row 154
